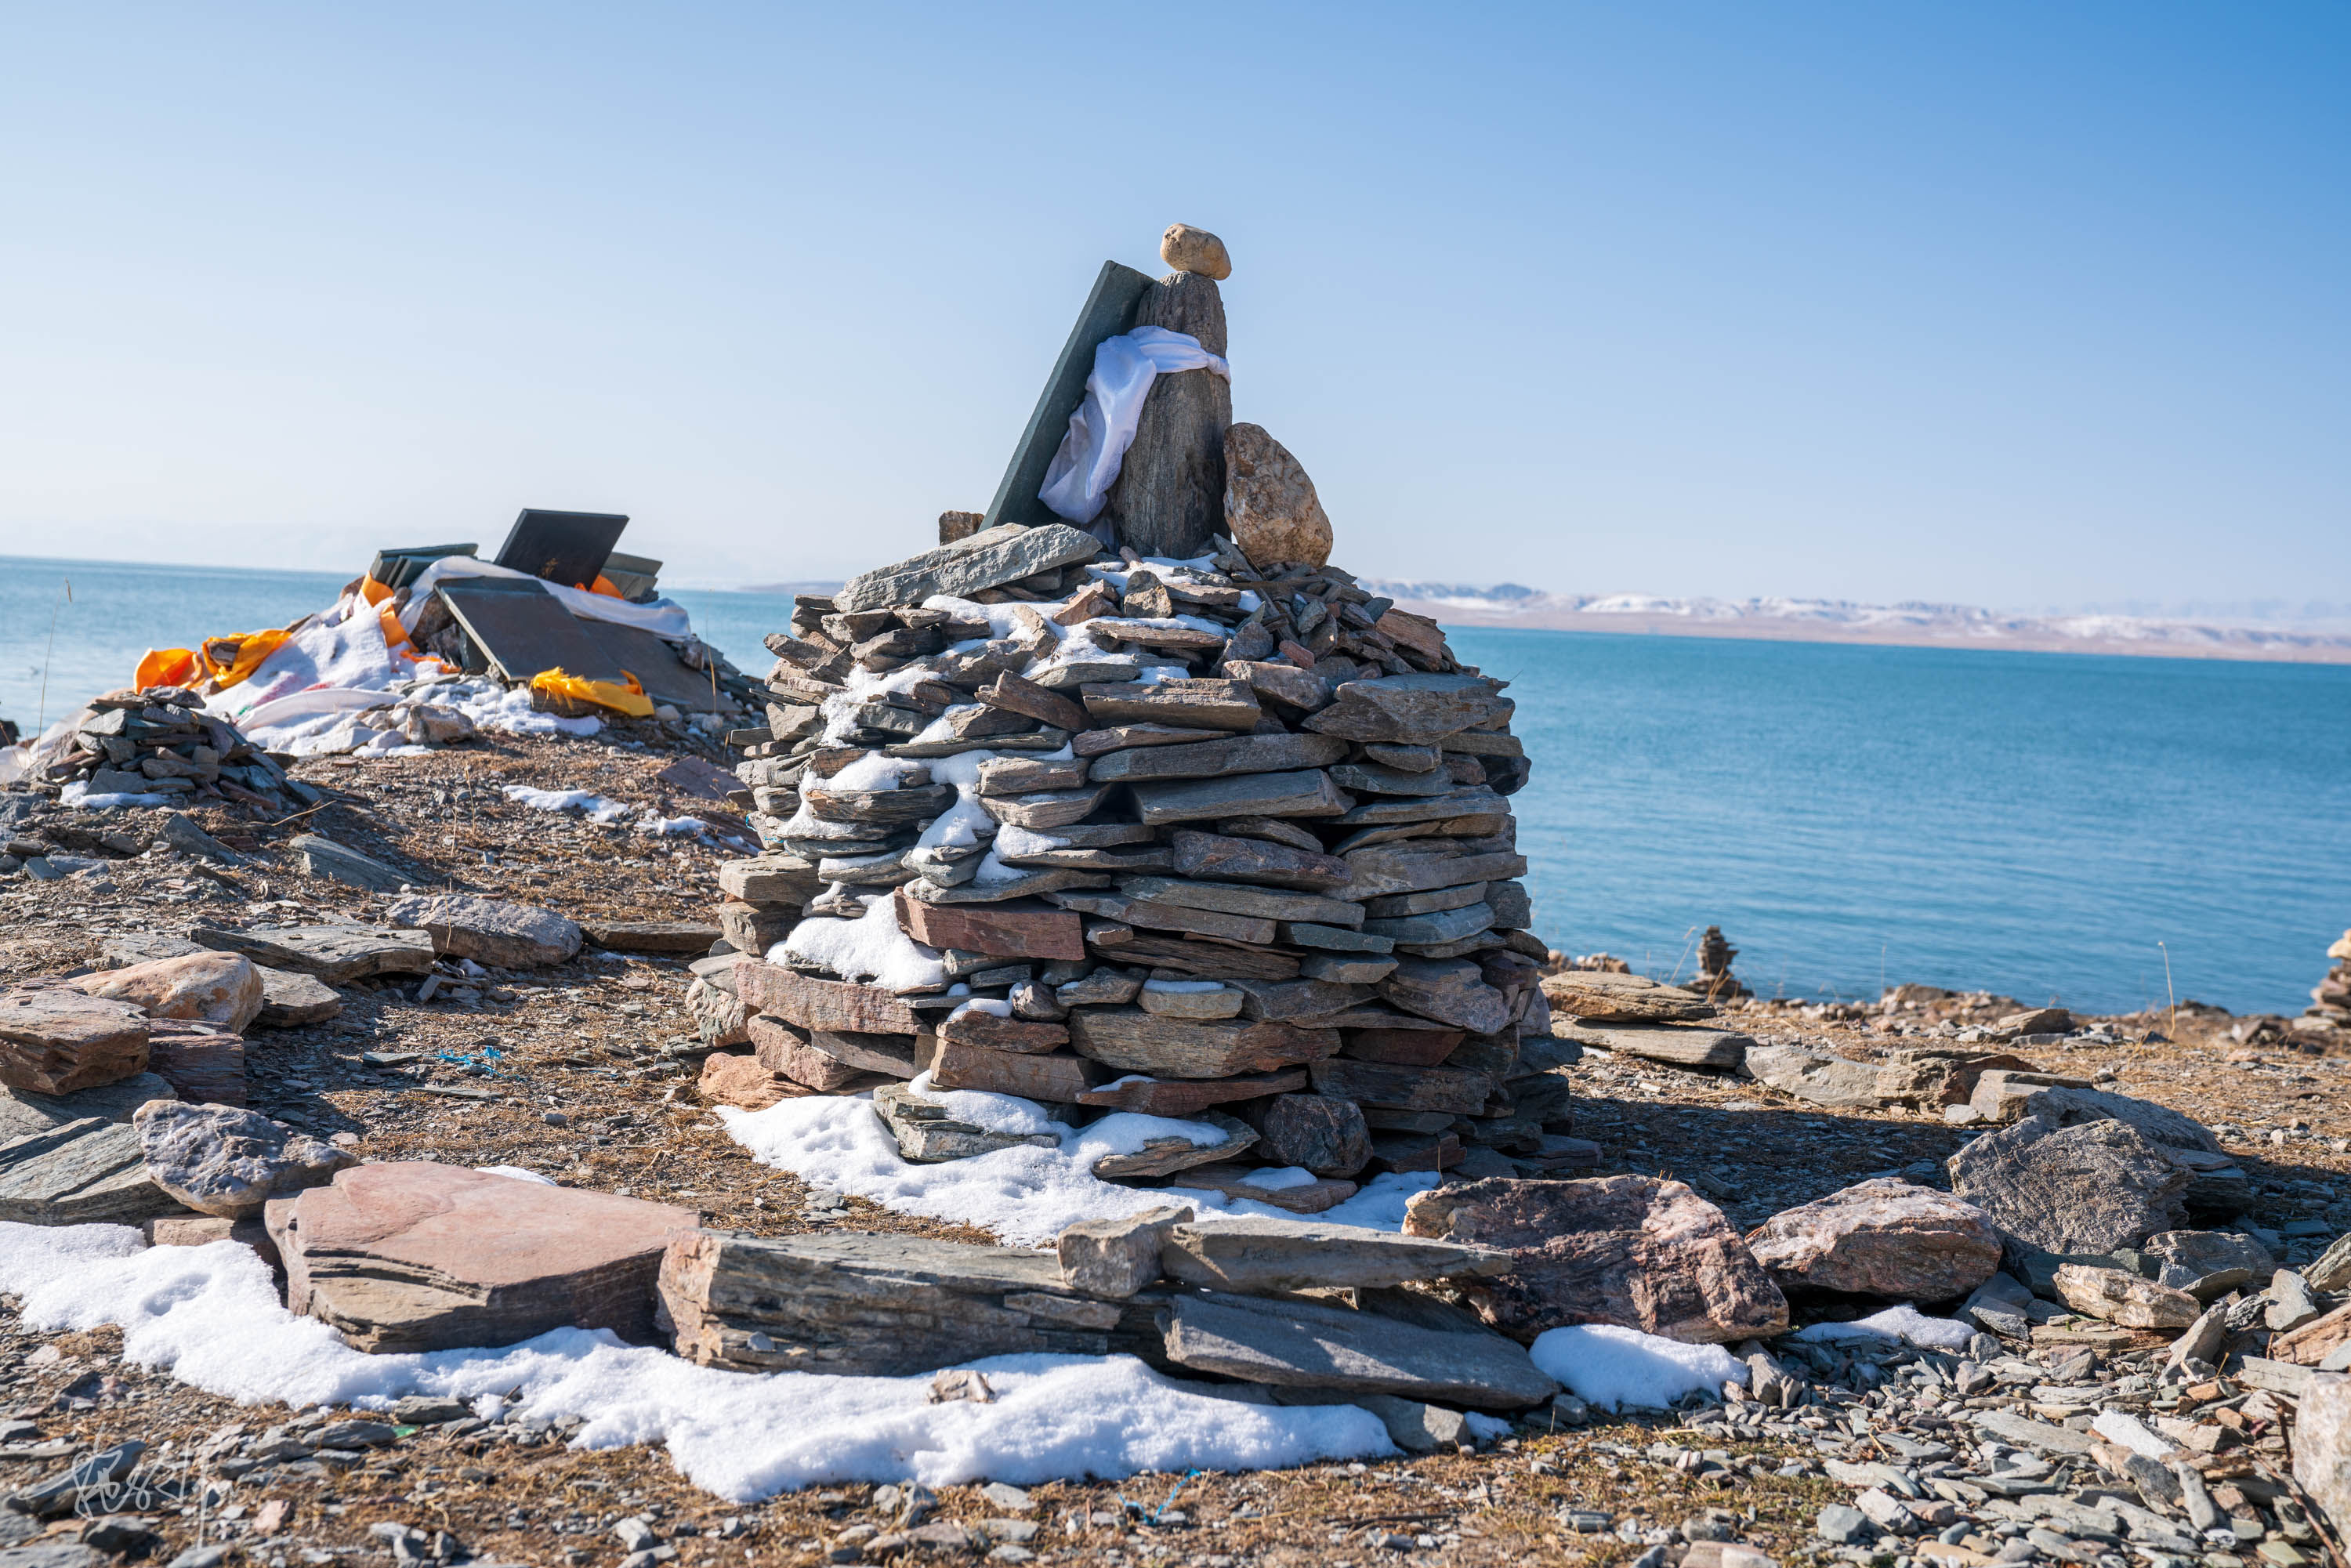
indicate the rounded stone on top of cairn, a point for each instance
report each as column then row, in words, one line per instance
column 1169, row 497
column 1187, row 249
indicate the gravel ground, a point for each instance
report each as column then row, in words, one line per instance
column 576, row 1071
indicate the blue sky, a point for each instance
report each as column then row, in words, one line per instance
column 2019, row 304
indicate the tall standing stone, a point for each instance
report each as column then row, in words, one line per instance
column 1169, row 498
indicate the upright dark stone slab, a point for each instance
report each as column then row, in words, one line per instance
column 1169, row 497
column 1109, row 310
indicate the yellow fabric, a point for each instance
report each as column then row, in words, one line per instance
column 223, row 661
column 630, row 699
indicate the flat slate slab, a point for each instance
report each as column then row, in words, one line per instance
column 335, row 954
column 22, row 1111
column 290, row 1000
column 318, row 855
column 1676, row 1045
column 1300, row 1344
column 54, row 1039
column 1263, row 1256
column 874, row 1306
column 88, row 1172
column 990, row 558
column 488, row 930
column 412, row 1256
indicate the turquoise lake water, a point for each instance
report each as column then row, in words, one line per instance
column 2036, row 824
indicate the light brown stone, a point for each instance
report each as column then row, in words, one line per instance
column 2119, row 1296
column 1187, row 249
column 1271, row 509
column 214, row 987
column 729, row 1078
column 1118, row 1257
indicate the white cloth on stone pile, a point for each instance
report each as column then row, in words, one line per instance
column 1086, row 463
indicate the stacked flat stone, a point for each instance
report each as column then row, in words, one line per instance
column 160, row 741
column 1200, row 839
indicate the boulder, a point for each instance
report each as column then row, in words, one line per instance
column 2185, row 1257
column 488, row 930
column 222, row 1161
column 224, row 988
column 1187, row 249
column 1673, row 1044
column 2088, row 1189
column 1263, row 1256
column 1295, row 1343
column 290, row 1000
column 412, row 1257
column 55, row 1040
column 1271, row 509
column 1634, row 1250
column 22, row 1113
column 2322, row 1447
column 1882, row 1237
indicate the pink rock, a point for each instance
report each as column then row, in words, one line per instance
column 1881, row 1238
column 1626, row 1249
column 206, row 988
column 54, row 1039
column 408, row 1257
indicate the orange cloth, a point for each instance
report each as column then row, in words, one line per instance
column 630, row 699
column 224, row 661
column 603, row 585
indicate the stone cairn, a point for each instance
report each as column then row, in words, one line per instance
column 2330, row 1000
column 1213, row 833
column 160, row 741
column 1715, row 982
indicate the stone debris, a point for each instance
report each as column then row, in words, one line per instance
column 158, row 742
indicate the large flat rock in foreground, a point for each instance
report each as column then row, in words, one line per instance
column 407, row 1257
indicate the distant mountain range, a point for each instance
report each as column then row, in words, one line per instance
column 1911, row 622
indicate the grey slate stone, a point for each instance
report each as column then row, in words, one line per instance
column 990, row 558
column 318, row 855
column 82, row 1173
column 1306, row 1345
column 23, row 1112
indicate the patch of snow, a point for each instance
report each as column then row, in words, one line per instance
column 597, row 807
column 1016, row 841
column 518, row 1174
column 78, row 793
column 1602, row 1363
column 210, row 1315
column 874, row 770
column 1276, row 1179
column 996, row 1113
column 1024, row 1197
column 870, row 947
column 1907, row 1324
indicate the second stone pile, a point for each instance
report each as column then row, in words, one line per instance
column 1201, row 838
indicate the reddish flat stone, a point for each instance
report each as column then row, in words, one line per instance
column 822, row 1004
column 1015, row 930
column 54, row 1039
column 409, row 1257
